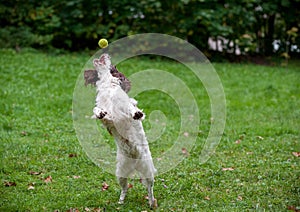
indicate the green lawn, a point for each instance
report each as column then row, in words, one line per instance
column 44, row 168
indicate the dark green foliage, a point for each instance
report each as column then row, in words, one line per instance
column 250, row 24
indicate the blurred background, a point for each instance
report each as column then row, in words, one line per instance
column 216, row 27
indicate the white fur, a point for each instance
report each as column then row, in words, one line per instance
column 117, row 112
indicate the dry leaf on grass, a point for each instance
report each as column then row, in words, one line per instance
column 24, row 133
column 184, row 151
column 228, row 169
column 73, row 210
column 72, row 155
column 238, row 141
column 9, row 184
column 293, row 208
column 30, row 187
column 48, row 179
column 296, row 154
column 207, row 198
column 35, row 173
column 260, row 137
column 104, row 186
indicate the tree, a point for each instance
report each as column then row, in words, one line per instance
column 250, row 25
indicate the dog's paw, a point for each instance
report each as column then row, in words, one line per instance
column 153, row 204
column 138, row 115
column 99, row 113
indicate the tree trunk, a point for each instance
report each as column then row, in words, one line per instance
column 269, row 35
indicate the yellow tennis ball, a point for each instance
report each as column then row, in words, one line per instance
column 103, row 43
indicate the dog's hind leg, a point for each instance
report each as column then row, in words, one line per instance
column 152, row 201
column 124, row 186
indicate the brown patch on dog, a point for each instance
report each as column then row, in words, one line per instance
column 90, row 77
column 125, row 83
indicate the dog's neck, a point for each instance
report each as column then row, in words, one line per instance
column 106, row 80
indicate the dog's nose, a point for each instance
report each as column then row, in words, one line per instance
column 104, row 58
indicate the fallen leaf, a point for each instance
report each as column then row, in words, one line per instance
column 228, row 169
column 184, row 151
column 9, row 184
column 296, row 154
column 30, row 187
column 239, row 198
column 105, row 186
column 259, row 137
column 48, row 179
column 73, row 210
column 293, row 208
column 207, row 198
column 130, row 185
column 72, row 155
column 24, row 133
column 35, row 173
column 76, row 177
column 238, row 141
column 242, row 136
column 186, row 134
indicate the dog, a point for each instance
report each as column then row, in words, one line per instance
column 123, row 120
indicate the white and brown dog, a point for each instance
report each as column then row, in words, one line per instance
column 123, row 120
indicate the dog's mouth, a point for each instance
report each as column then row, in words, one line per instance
column 104, row 59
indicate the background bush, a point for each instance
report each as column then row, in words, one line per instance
column 252, row 25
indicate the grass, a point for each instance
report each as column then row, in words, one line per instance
column 253, row 167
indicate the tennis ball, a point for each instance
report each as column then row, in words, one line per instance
column 103, row 43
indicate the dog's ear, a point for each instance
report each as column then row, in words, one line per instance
column 113, row 69
column 90, row 77
column 125, row 83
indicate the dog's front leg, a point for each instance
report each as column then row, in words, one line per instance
column 124, row 186
column 99, row 113
column 136, row 113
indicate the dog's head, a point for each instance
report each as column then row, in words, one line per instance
column 91, row 76
column 102, row 64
